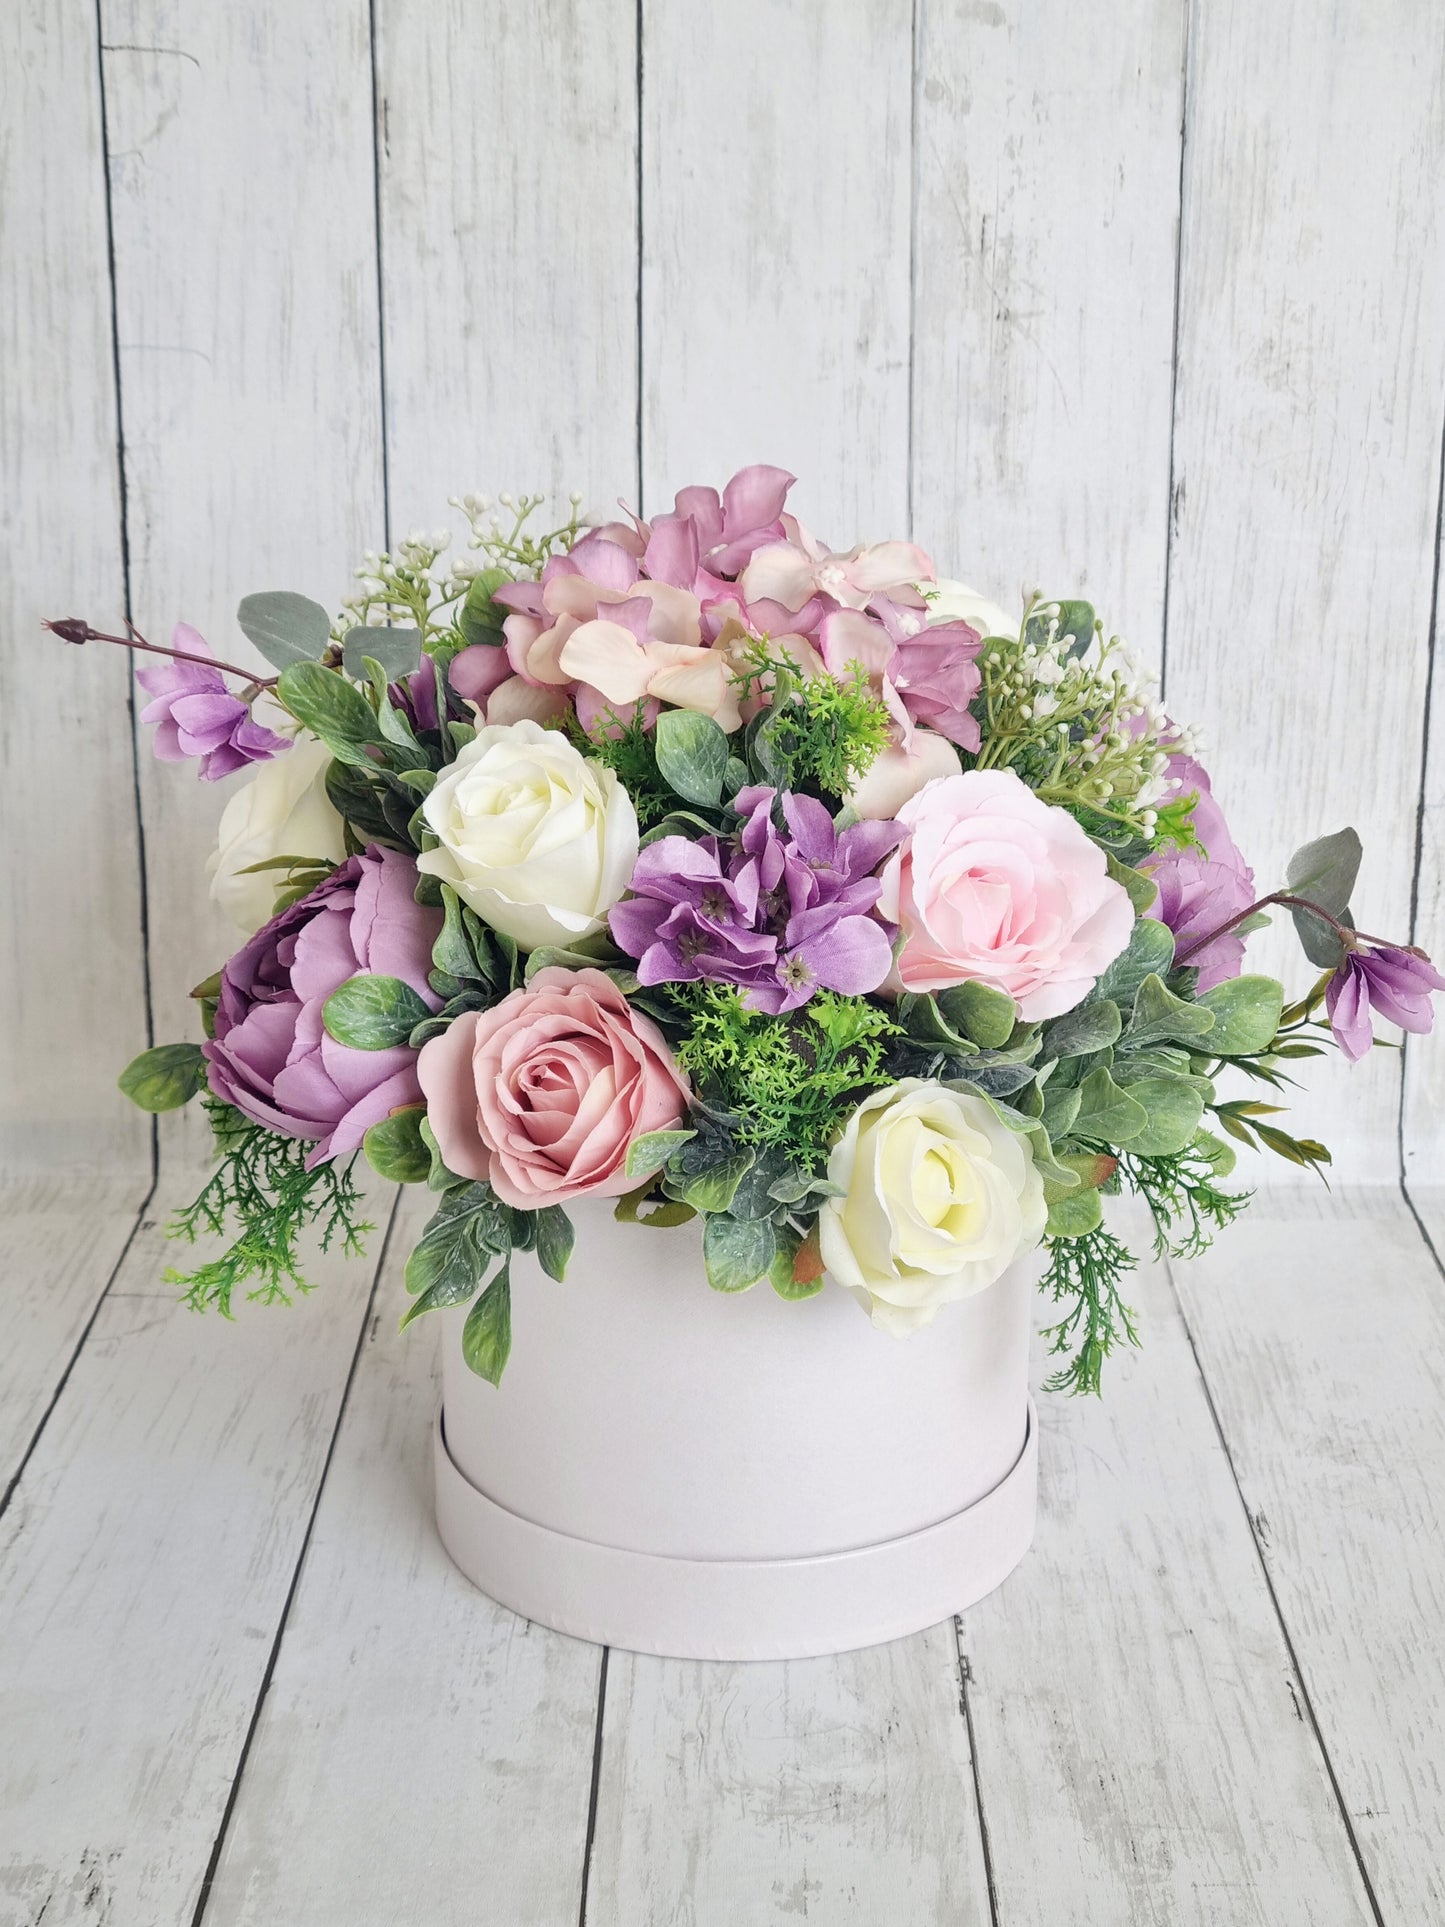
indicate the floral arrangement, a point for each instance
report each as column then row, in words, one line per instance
column 690, row 864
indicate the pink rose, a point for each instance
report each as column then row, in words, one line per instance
column 992, row 884
column 543, row 1094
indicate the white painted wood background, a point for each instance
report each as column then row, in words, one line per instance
column 1148, row 302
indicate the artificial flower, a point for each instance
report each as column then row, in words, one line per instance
column 538, row 839
column 780, row 913
column 283, row 810
column 937, row 1197
column 1204, row 886
column 1396, row 982
column 996, row 886
column 196, row 715
column 544, row 1094
column 272, row 1056
column 950, row 601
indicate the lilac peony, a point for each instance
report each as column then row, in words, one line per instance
column 271, row 1056
column 1202, row 888
column 196, row 715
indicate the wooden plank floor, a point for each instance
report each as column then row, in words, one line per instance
column 240, row 1681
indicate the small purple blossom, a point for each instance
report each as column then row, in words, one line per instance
column 196, row 715
column 1205, row 886
column 1396, row 982
column 780, row 913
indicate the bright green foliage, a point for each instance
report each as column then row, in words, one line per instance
column 1184, row 1197
column 821, row 733
column 791, row 1080
column 629, row 751
column 1088, row 1271
column 262, row 1185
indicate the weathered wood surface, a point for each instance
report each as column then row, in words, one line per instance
column 242, row 169
column 508, row 202
column 71, row 956
column 61, row 1240
column 466, row 1733
column 1321, row 1329
column 1140, row 1617
column 775, row 254
column 1044, row 275
column 925, row 256
column 146, row 1557
column 829, row 1790
column 1307, row 458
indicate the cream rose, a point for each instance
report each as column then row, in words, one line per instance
column 539, row 840
column 956, row 602
column 282, row 811
column 939, row 1198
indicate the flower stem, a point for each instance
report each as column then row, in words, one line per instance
column 1348, row 936
column 74, row 629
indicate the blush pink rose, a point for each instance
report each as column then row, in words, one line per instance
column 543, row 1094
column 996, row 886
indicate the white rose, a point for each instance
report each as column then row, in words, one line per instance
column 282, row 811
column 939, row 1198
column 956, row 602
column 540, row 841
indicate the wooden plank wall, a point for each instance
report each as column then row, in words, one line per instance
column 1107, row 310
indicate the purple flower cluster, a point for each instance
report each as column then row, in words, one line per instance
column 1396, row 982
column 196, row 715
column 781, row 913
column 1205, row 886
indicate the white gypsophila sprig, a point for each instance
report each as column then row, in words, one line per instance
column 413, row 585
column 1079, row 718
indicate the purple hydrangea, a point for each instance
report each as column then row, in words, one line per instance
column 1203, row 887
column 196, row 715
column 272, row 1056
column 781, row 913
column 1396, row 982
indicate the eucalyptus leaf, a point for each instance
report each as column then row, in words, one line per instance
column 1106, row 1112
column 667, row 1212
column 1325, row 870
column 1142, row 890
column 1222, row 1157
column 373, row 1013
column 1159, row 1015
column 439, row 1178
column 165, row 1078
column 980, row 1013
column 1083, row 1030
column 1246, row 1011
column 1061, row 1108
column 287, row 628
column 396, row 652
column 712, row 1188
column 333, row 709
column 1150, row 949
column 465, row 1233
column 395, row 1148
column 556, row 1236
column 692, row 755
column 651, row 1151
column 1075, row 1215
column 736, row 1252
column 588, row 953
column 1173, row 1110
column 480, row 618
column 487, row 1334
